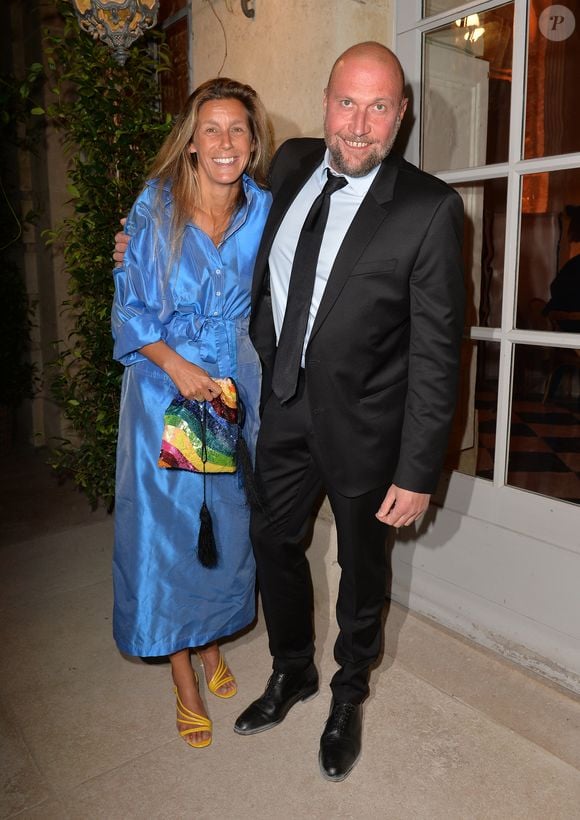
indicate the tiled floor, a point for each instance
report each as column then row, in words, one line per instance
column 452, row 732
column 544, row 445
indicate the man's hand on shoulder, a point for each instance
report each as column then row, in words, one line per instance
column 121, row 242
column 401, row 507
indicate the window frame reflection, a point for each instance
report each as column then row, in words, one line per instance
column 549, row 252
column 467, row 71
column 551, row 84
column 484, row 248
column 544, row 429
column 472, row 440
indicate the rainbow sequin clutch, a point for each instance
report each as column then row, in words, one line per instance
column 203, row 436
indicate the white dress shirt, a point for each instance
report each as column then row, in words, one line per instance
column 343, row 206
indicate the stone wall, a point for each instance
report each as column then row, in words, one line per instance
column 286, row 51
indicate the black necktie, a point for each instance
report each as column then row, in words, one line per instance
column 291, row 342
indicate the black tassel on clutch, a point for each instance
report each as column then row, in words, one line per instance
column 206, row 546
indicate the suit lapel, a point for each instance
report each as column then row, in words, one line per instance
column 283, row 198
column 368, row 219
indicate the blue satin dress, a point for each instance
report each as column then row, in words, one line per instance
column 199, row 304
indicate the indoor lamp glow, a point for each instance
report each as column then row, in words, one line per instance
column 471, row 22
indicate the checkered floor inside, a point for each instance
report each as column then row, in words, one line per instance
column 544, row 445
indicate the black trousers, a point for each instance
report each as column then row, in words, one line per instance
column 292, row 474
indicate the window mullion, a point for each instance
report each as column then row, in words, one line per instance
column 503, row 413
column 506, row 376
column 545, row 338
column 518, row 93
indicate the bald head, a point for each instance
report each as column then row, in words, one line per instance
column 367, row 53
column 363, row 108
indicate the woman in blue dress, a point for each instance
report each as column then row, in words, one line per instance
column 180, row 321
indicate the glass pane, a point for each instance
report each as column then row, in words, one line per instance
column 549, row 264
column 483, row 249
column 167, row 8
column 437, row 6
column 544, row 444
column 552, row 123
column 467, row 82
column 472, row 441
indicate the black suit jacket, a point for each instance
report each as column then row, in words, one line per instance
column 382, row 360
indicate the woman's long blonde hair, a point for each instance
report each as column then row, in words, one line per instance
column 176, row 166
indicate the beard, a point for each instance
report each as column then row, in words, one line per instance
column 362, row 167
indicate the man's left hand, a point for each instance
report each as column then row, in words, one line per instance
column 401, row 507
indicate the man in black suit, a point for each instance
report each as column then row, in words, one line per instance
column 367, row 416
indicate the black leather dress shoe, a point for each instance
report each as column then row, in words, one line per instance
column 283, row 690
column 340, row 743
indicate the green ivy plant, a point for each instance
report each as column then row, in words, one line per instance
column 112, row 124
column 17, row 132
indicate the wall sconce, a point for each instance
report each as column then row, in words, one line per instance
column 474, row 30
column 118, row 23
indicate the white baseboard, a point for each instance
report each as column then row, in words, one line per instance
column 527, row 642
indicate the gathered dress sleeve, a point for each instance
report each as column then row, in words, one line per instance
column 136, row 317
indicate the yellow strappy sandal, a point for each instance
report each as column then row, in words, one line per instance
column 197, row 723
column 221, row 676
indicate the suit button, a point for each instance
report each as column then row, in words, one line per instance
column 317, row 411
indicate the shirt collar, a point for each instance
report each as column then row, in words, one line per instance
column 357, row 186
column 249, row 184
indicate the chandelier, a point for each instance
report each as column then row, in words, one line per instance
column 118, row 23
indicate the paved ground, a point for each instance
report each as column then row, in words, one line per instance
column 451, row 731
